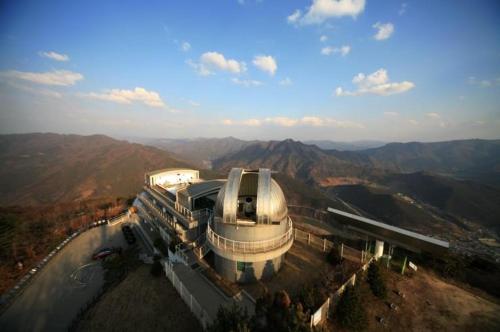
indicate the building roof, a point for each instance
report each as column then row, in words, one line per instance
column 170, row 169
column 399, row 236
column 200, row 188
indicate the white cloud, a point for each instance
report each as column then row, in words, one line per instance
column 376, row 83
column 185, row 46
column 384, row 30
column 323, row 38
column 246, row 83
column 433, row 115
column 54, row 56
column 194, row 103
column 402, row 9
column 251, row 122
column 281, row 121
column 265, row 63
column 485, row 83
column 141, row 95
column 391, row 114
column 294, row 17
column 329, row 50
column 30, row 89
column 413, row 122
column 321, row 10
column 212, row 61
column 286, row 81
column 56, row 77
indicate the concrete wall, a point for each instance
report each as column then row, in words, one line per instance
column 252, row 271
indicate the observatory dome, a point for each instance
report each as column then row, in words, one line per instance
column 254, row 192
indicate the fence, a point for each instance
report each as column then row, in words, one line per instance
column 323, row 312
column 358, row 256
column 188, row 298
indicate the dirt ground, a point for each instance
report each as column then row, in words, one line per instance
column 429, row 304
column 141, row 302
column 304, row 265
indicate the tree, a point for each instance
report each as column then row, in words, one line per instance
column 376, row 281
column 230, row 319
column 350, row 310
column 334, row 256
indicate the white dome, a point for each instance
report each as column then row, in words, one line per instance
column 251, row 187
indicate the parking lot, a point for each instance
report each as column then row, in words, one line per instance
column 60, row 289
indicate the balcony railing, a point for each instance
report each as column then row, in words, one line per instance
column 250, row 247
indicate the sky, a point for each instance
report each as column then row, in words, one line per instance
column 343, row 70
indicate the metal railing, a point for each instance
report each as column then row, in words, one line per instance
column 252, row 247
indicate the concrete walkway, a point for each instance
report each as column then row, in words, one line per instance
column 207, row 294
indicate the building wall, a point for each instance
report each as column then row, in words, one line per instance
column 247, row 272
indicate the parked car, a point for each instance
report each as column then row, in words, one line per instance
column 105, row 252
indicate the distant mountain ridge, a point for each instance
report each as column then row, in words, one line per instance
column 47, row 168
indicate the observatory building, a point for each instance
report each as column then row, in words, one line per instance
column 250, row 230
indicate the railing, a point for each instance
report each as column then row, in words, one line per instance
column 251, row 247
column 188, row 298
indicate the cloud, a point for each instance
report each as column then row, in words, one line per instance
column 376, row 83
column 294, row 17
column 391, row 114
column 185, row 46
column 265, row 63
column 56, row 77
column 321, row 10
column 141, row 95
column 485, row 83
column 433, row 115
column 413, row 122
column 402, row 9
column 286, row 81
column 54, row 56
column 38, row 91
column 194, row 103
column 384, row 31
column 212, row 61
column 246, row 83
column 329, row 50
column 281, row 121
column 323, row 38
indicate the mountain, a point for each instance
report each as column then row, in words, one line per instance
column 199, row 150
column 345, row 146
column 382, row 188
column 296, row 159
column 48, row 168
column 472, row 159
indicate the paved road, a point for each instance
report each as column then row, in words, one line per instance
column 63, row 286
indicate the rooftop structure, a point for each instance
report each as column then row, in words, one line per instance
column 383, row 232
column 181, row 200
column 250, row 231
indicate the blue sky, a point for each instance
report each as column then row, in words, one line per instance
column 322, row 69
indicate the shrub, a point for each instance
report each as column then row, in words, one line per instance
column 350, row 310
column 334, row 256
column 233, row 319
column 376, row 281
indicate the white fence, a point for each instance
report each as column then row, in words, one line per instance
column 324, row 311
column 188, row 298
column 358, row 256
